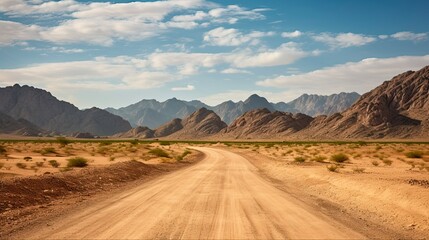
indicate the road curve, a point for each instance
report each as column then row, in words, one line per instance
column 222, row 197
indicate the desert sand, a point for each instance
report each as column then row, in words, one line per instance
column 247, row 191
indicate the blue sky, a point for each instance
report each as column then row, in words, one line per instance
column 112, row 54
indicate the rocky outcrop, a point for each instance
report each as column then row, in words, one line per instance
column 200, row 124
column 9, row 125
column 169, row 128
column 315, row 105
column 396, row 109
column 47, row 112
column 262, row 123
column 138, row 132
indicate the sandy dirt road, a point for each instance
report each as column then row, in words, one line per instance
column 222, row 197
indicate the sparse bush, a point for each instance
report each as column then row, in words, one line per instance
column 184, row 154
column 387, row 162
column 134, row 142
column 54, row 163
column 375, row 163
column 77, row 162
column 1, row 165
column 339, row 158
column 48, row 150
column 111, row 158
column 63, row 141
column 39, row 164
column 358, row 170
column 2, row 150
column 159, row 153
column 414, row 154
column 299, row 159
column 27, row 158
column 332, row 168
column 21, row 165
column 164, row 143
column 319, row 159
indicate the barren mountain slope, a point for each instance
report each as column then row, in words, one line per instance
column 262, row 123
column 396, row 109
column 199, row 124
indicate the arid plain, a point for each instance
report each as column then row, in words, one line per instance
column 167, row 189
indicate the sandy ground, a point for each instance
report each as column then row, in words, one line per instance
column 222, row 197
column 379, row 184
column 35, row 158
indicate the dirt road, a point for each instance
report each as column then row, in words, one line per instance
column 222, row 197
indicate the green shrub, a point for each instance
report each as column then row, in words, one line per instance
column 21, row 165
column 414, row 154
column 77, row 162
column 159, row 153
column 184, row 154
column 299, row 159
column 332, row 167
column 54, row 163
column 48, row 150
column 339, row 158
column 63, row 141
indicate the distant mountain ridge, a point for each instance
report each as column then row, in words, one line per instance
column 47, row 112
column 153, row 114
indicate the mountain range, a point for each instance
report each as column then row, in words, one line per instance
column 153, row 114
column 396, row 109
column 41, row 110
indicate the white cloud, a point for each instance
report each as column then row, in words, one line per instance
column 13, row 32
column 235, row 71
column 404, row 36
column 293, row 34
column 22, row 7
column 359, row 76
column 343, row 40
column 232, row 37
column 187, row 88
column 102, row 23
column 100, row 74
column 383, row 36
column 285, row 54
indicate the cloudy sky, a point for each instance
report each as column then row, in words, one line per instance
column 112, row 54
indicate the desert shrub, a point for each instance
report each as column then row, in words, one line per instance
column 77, row 162
column 358, row 170
column 134, row 142
column 63, row 141
column 414, row 154
column 159, row 153
column 54, row 163
column 21, row 165
column 48, row 150
column 377, row 148
column 299, row 159
column 164, row 143
column 39, row 164
column 111, row 158
column 1, row 165
column 387, row 162
column 332, row 167
column 319, row 159
column 339, row 158
column 183, row 155
column 375, row 163
column 27, row 158
column 2, row 150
